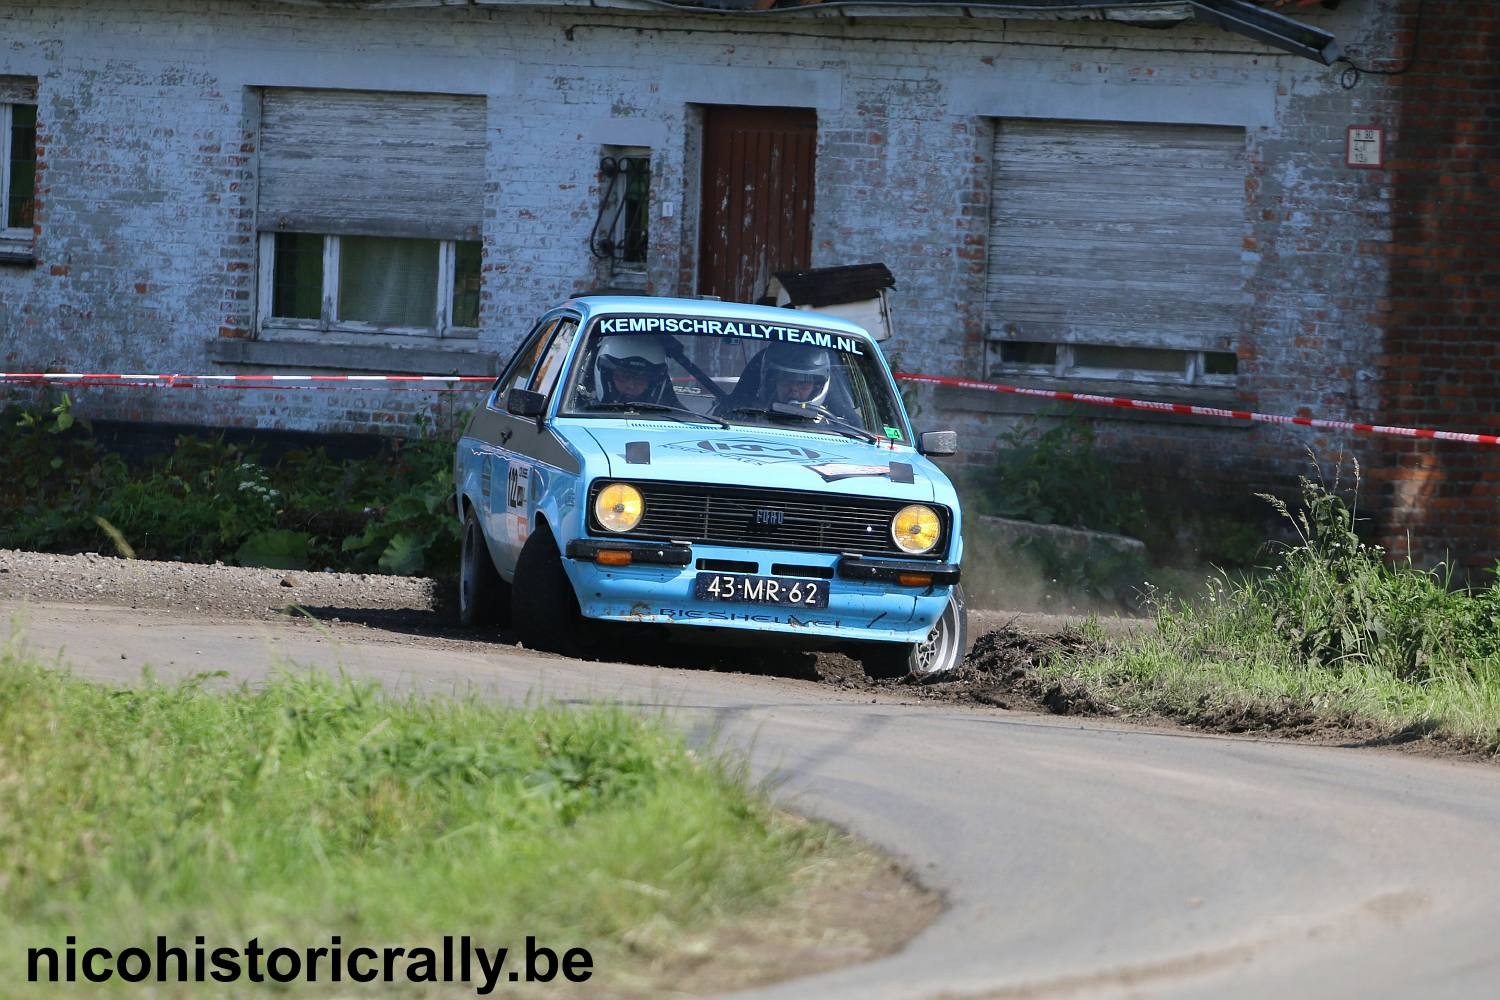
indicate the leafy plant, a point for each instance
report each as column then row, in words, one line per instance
column 1056, row 477
column 211, row 499
column 52, row 473
column 203, row 501
column 414, row 532
column 1337, row 600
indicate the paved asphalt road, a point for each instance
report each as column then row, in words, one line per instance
column 1077, row 858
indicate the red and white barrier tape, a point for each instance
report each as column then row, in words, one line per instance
column 1185, row 409
column 90, row 378
column 474, row 381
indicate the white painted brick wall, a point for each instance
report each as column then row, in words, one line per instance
column 146, row 251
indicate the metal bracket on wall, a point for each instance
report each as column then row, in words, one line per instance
column 1245, row 18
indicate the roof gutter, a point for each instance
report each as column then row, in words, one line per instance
column 1241, row 17
column 1276, row 30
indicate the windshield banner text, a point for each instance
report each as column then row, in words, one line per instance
column 703, row 326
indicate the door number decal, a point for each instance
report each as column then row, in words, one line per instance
column 517, row 485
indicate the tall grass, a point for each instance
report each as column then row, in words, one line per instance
column 1332, row 633
column 313, row 806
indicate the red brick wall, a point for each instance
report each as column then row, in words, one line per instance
column 1441, row 365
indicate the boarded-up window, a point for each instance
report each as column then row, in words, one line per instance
column 1117, row 242
column 359, row 163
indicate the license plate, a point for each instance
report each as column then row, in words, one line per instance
column 778, row 590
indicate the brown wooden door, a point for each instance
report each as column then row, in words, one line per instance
column 757, row 198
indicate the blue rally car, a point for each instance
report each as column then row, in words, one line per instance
column 703, row 465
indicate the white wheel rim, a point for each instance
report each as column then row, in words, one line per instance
column 938, row 652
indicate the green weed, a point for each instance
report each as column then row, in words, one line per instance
column 1331, row 632
column 212, row 500
column 53, row 477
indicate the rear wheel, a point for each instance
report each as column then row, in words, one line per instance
column 941, row 651
column 483, row 598
column 544, row 607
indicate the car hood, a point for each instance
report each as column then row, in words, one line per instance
column 770, row 457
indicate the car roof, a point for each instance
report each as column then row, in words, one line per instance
column 599, row 305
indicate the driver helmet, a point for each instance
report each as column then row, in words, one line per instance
column 795, row 373
column 630, row 369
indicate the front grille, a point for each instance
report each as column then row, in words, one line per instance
column 726, row 515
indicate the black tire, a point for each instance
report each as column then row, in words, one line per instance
column 543, row 605
column 483, row 598
column 942, row 651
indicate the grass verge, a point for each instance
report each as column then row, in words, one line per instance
column 1333, row 638
column 314, row 806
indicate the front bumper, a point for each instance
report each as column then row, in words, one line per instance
column 865, row 601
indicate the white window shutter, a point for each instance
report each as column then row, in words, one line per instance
column 371, row 164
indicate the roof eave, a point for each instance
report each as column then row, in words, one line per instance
column 1242, row 17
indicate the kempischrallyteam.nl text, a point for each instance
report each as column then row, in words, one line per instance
column 455, row 960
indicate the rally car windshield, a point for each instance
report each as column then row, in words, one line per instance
column 734, row 372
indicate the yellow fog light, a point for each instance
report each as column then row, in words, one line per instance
column 619, row 507
column 916, row 528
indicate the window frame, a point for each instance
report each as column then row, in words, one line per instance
column 329, row 322
column 536, row 340
column 613, row 224
column 1194, row 370
column 554, row 359
column 18, row 238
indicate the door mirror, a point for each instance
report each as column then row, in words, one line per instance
column 525, row 403
column 938, row 443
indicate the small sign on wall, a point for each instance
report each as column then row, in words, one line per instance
column 1365, row 146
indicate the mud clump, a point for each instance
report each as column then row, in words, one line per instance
column 1282, row 716
column 1000, row 670
column 841, row 671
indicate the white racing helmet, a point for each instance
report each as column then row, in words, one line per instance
column 802, row 362
column 641, row 355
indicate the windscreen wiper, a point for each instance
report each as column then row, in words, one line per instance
column 658, row 408
column 812, row 414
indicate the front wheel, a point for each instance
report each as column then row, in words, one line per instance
column 543, row 605
column 941, row 651
column 483, row 597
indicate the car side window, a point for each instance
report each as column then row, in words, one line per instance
column 877, row 408
column 523, row 365
column 547, row 370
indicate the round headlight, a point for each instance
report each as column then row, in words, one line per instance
column 619, row 507
column 916, row 529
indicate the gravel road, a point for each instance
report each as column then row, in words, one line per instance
column 236, row 591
